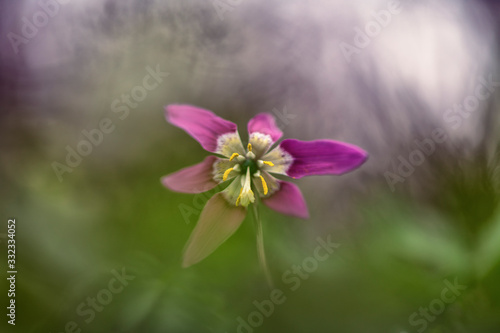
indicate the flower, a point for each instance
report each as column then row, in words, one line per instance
column 249, row 171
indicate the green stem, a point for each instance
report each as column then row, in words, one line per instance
column 260, row 246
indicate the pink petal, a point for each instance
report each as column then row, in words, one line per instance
column 288, row 200
column 322, row 157
column 194, row 179
column 203, row 125
column 218, row 221
column 265, row 123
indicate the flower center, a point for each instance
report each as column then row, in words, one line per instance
column 248, row 166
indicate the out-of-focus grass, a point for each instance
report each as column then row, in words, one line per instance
column 102, row 219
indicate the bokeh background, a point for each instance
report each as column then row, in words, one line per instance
column 398, row 245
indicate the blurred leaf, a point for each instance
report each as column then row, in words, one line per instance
column 488, row 251
column 144, row 299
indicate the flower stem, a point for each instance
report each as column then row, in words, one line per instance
column 260, row 246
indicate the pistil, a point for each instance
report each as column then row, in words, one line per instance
column 246, row 194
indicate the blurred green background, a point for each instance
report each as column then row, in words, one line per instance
column 110, row 216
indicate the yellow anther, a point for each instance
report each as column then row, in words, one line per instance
column 264, row 185
column 226, row 174
column 249, row 147
column 239, row 197
column 268, row 163
column 234, row 156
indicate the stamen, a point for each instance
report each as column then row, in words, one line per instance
column 241, row 158
column 239, row 197
column 260, row 163
column 264, row 185
column 226, row 174
column 234, row 156
column 249, row 147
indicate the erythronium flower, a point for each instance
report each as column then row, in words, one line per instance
column 249, row 171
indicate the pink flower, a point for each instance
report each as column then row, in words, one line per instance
column 249, row 171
